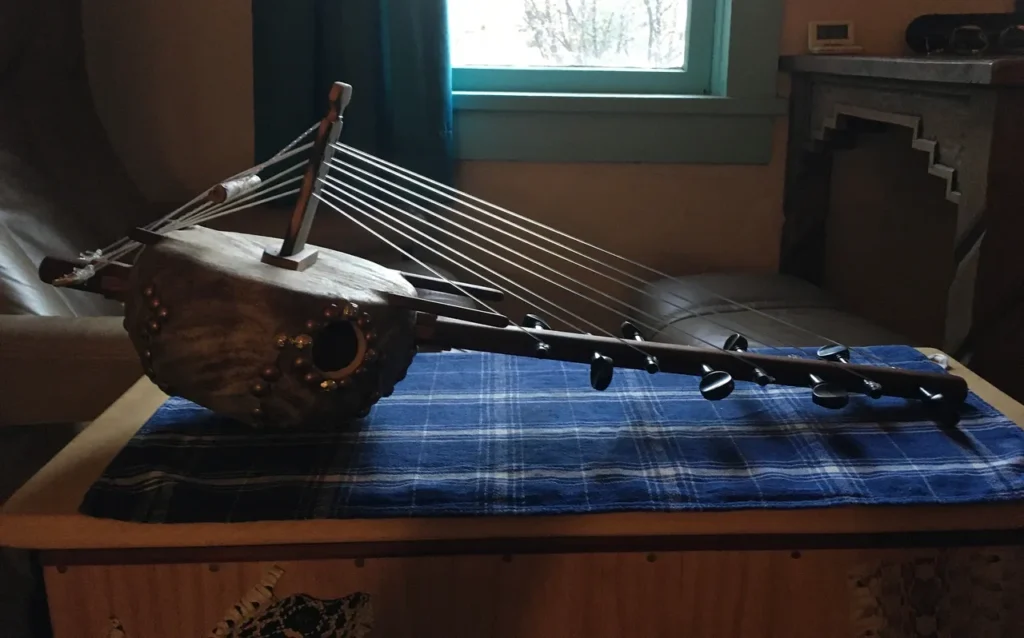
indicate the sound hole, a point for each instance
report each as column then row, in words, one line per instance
column 335, row 346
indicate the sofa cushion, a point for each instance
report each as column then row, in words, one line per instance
column 770, row 310
column 62, row 188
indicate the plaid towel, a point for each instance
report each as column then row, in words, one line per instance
column 484, row 434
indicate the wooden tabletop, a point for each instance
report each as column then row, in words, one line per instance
column 43, row 514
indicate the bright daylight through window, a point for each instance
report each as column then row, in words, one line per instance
column 623, row 34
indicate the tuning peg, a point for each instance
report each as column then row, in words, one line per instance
column 825, row 394
column 828, row 395
column 738, row 343
column 715, row 384
column 541, row 350
column 841, row 354
column 935, row 401
column 602, row 368
column 629, row 331
column 533, row 321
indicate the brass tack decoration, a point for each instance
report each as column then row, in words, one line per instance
column 153, row 326
column 270, row 373
column 162, row 313
column 154, row 302
column 311, row 378
column 147, row 355
column 300, row 363
column 329, row 385
column 312, row 324
column 364, row 320
column 331, row 311
column 257, row 412
column 344, row 382
column 260, row 389
column 369, row 355
column 370, row 335
column 148, row 291
column 350, row 310
column 303, row 341
column 280, row 341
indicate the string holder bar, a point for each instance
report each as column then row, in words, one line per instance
column 144, row 236
column 294, row 254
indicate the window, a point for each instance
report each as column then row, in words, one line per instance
column 582, row 46
column 615, row 80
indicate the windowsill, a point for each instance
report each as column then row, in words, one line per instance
column 544, row 127
column 616, row 103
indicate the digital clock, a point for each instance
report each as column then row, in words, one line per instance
column 831, row 37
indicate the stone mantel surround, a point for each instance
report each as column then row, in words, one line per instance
column 905, row 197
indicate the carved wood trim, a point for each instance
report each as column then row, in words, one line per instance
column 824, row 135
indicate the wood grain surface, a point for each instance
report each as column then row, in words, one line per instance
column 615, row 595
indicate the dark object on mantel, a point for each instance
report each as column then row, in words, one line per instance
column 967, row 33
column 904, row 184
column 993, row 71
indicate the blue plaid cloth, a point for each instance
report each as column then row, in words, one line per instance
column 484, row 434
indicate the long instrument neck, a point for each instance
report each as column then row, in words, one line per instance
column 449, row 333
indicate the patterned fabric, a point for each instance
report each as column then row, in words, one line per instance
column 303, row 616
column 261, row 614
column 952, row 594
column 483, row 434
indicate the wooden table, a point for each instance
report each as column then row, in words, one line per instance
column 741, row 573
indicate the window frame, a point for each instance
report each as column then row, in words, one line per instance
column 693, row 79
column 730, row 122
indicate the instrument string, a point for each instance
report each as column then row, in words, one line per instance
column 338, row 194
column 446, row 191
column 231, row 211
column 263, row 186
column 336, row 164
column 630, row 343
column 408, row 254
column 340, row 168
column 96, row 260
column 334, row 181
column 234, row 205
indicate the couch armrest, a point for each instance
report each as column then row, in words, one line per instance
column 62, row 369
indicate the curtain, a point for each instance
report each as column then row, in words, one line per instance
column 395, row 55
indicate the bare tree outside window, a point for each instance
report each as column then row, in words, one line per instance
column 647, row 34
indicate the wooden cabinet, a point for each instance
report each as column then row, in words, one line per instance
column 905, row 199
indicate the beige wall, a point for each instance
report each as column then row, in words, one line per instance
column 172, row 80
column 173, row 85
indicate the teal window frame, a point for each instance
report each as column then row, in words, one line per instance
column 693, row 79
column 720, row 109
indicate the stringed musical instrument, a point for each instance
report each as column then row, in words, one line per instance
column 285, row 333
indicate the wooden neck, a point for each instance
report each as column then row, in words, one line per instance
column 450, row 333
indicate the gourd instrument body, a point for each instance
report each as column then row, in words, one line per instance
column 261, row 344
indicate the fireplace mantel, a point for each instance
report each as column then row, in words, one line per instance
column 905, row 198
